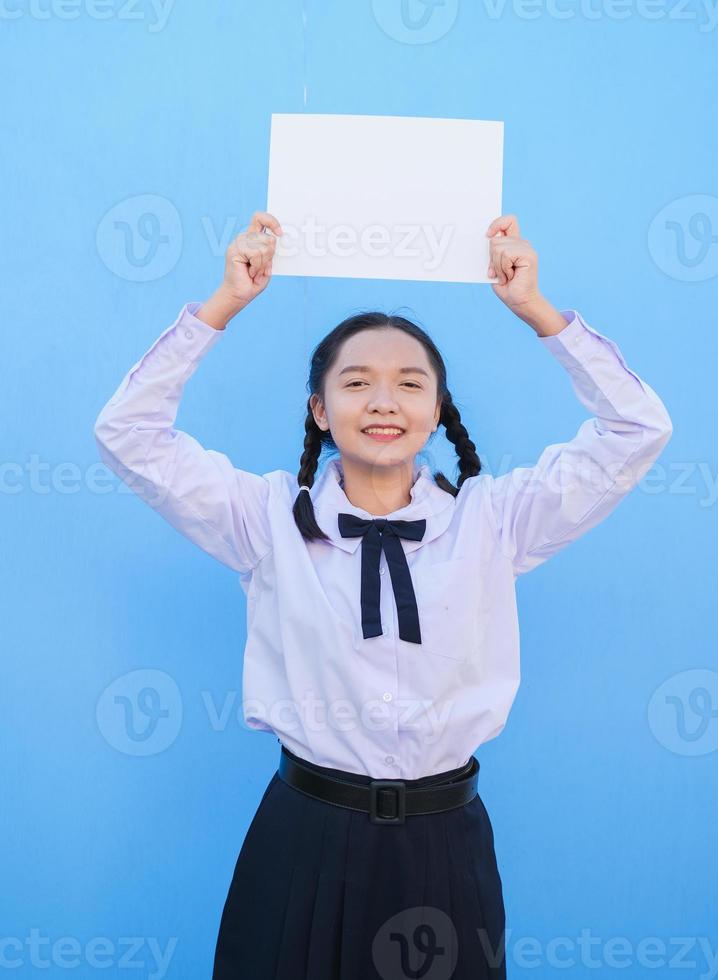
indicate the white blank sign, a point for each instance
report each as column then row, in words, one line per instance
column 384, row 197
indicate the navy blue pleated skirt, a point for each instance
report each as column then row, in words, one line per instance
column 321, row 893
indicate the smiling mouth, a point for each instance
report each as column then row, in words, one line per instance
column 384, row 436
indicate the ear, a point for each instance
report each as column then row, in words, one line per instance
column 320, row 415
column 437, row 415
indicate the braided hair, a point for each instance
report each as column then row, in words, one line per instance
column 316, row 439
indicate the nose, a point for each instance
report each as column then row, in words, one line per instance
column 382, row 401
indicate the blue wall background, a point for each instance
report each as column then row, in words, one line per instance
column 602, row 788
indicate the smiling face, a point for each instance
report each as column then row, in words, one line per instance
column 381, row 378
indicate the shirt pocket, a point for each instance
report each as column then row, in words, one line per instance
column 449, row 608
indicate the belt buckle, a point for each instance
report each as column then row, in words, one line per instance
column 375, row 786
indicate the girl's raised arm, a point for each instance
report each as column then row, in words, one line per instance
column 198, row 491
column 540, row 509
column 574, row 485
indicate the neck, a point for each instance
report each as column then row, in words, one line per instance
column 379, row 490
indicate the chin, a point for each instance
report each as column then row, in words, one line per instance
column 388, row 460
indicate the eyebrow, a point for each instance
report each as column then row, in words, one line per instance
column 363, row 368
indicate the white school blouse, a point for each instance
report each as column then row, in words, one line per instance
column 382, row 706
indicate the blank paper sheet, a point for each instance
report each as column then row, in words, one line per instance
column 384, row 197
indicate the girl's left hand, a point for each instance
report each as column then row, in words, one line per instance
column 514, row 262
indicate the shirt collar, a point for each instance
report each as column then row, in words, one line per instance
column 427, row 500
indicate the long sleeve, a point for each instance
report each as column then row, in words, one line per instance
column 198, row 491
column 538, row 510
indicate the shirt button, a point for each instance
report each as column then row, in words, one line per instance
column 387, row 695
column 188, row 334
column 381, row 571
column 390, row 760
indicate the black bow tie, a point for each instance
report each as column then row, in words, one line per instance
column 378, row 533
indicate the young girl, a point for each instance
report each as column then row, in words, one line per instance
column 371, row 854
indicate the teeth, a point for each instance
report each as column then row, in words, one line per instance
column 384, row 432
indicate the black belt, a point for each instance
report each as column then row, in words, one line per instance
column 387, row 801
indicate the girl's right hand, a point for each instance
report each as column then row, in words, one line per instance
column 248, row 262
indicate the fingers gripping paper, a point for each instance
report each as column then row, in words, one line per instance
column 384, row 197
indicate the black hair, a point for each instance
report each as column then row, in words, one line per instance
column 316, row 439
